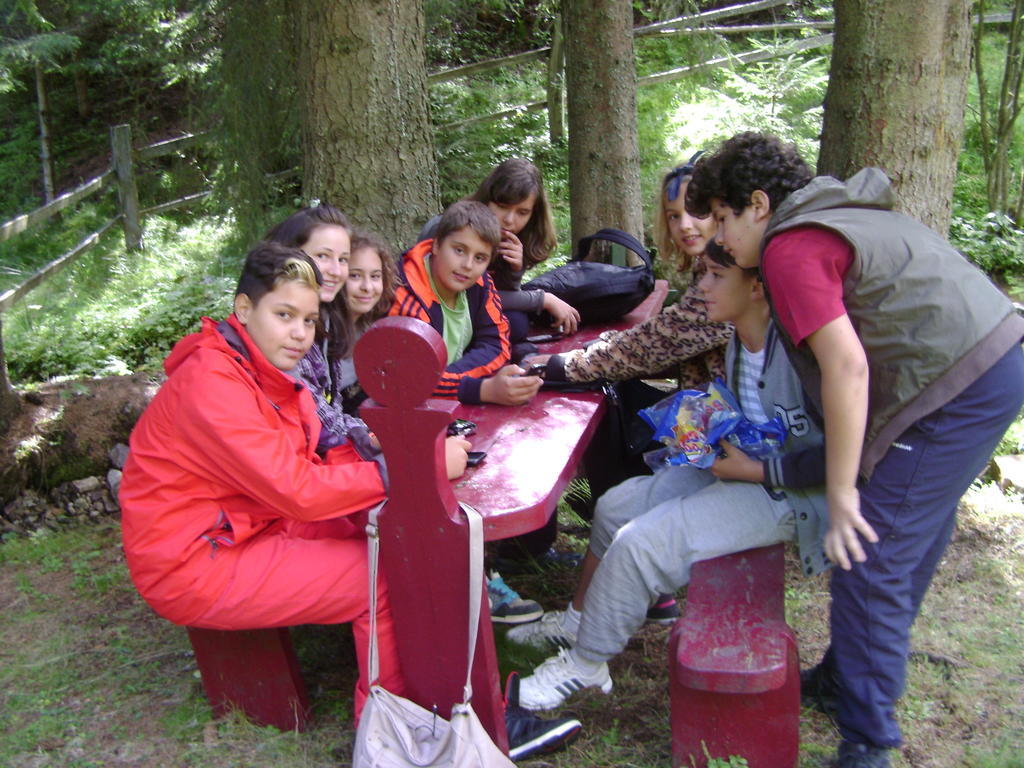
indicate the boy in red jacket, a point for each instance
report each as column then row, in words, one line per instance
column 230, row 520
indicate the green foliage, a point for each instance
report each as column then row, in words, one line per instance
column 464, row 31
column 19, row 167
column 992, row 241
column 130, row 61
column 733, row 761
column 665, row 110
column 781, row 96
column 467, row 153
column 1013, row 441
column 995, row 244
column 118, row 313
column 997, row 64
column 23, row 255
column 44, row 49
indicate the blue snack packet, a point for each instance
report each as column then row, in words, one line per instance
column 691, row 423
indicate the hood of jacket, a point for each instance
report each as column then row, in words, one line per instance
column 868, row 188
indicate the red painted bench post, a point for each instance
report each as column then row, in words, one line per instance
column 424, row 539
column 733, row 666
column 255, row 671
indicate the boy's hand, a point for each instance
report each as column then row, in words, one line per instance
column 565, row 315
column 455, row 456
column 509, row 387
column 845, row 522
column 510, row 248
column 736, row 465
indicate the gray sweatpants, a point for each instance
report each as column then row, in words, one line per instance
column 649, row 530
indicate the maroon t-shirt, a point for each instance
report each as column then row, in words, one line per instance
column 804, row 268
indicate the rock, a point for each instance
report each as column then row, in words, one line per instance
column 118, row 455
column 86, row 484
column 114, row 482
column 1008, row 472
column 77, row 501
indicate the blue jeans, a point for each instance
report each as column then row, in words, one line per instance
column 910, row 501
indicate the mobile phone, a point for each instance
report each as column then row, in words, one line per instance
column 475, row 457
column 536, row 370
column 542, row 338
column 461, row 428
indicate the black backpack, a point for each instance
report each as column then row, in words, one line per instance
column 609, row 275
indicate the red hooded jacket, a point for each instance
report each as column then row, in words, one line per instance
column 225, row 451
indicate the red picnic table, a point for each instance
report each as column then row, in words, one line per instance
column 533, row 451
column 732, row 660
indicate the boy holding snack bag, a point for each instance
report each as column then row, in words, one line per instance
column 913, row 358
column 649, row 530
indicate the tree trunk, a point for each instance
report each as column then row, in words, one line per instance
column 82, row 94
column 896, row 94
column 604, row 159
column 10, row 403
column 367, row 137
column 45, row 150
column 997, row 124
column 556, row 83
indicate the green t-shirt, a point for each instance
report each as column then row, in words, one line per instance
column 458, row 325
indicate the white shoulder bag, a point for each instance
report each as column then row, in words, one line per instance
column 397, row 733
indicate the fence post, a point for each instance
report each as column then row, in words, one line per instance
column 556, row 82
column 10, row 403
column 127, row 193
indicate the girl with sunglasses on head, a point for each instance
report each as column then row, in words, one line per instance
column 680, row 337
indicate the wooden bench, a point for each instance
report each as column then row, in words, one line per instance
column 254, row 670
column 733, row 666
column 533, row 450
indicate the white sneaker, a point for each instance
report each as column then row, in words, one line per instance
column 556, row 679
column 547, row 634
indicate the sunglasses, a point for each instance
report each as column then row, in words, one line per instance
column 674, row 179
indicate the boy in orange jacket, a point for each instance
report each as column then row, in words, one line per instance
column 445, row 283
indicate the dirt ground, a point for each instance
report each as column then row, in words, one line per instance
column 65, row 430
column 94, row 678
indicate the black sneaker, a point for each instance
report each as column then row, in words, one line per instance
column 507, row 607
column 819, row 689
column 862, row 756
column 664, row 611
column 531, row 735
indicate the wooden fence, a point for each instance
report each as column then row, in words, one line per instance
column 121, row 174
column 124, row 159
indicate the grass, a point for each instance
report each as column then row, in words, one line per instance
column 91, row 677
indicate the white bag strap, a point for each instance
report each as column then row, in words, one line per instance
column 476, row 580
column 476, row 586
column 373, row 540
